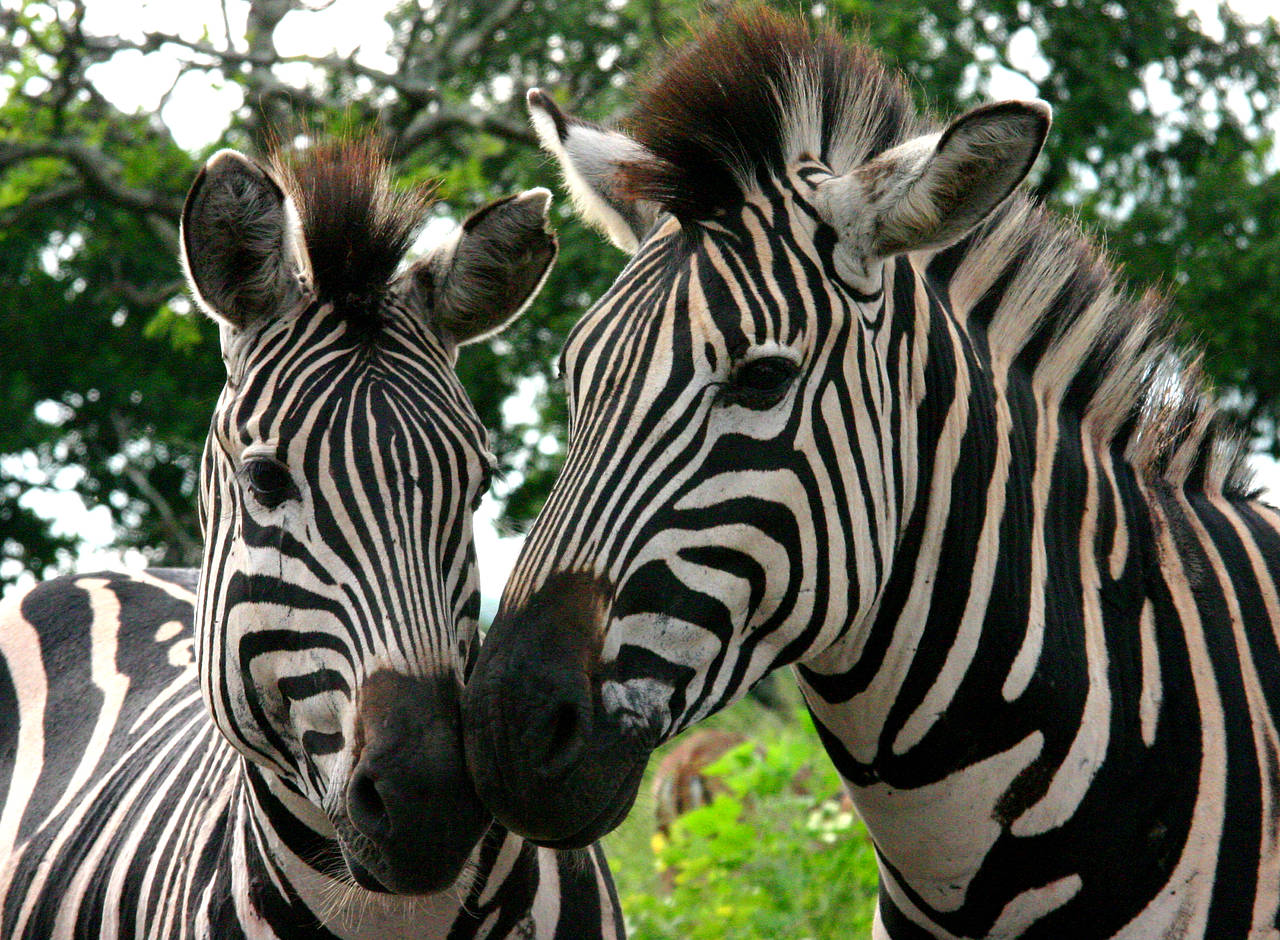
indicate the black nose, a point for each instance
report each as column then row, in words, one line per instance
column 410, row 795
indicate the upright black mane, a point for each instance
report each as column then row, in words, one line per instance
column 757, row 92
column 356, row 225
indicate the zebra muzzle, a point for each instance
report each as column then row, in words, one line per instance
column 548, row 759
column 409, row 800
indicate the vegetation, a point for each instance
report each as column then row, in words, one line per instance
column 779, row 854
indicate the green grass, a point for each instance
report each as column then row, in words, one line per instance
column 778, row 855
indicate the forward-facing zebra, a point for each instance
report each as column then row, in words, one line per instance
column 852, row 408
column 318, row 787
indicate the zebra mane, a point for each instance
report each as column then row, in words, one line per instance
column 1051, row 302
column 356, row 225
column 760, row 91
column 756, row 93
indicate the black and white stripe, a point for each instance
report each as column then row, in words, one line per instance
column 855, row 408
column 333, row 620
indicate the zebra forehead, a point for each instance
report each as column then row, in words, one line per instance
column 756, row 93
column 352, row 391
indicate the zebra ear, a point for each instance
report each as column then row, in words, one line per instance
column 495, row 264
column 589, row 156
column 242, row 247
column 930, row 191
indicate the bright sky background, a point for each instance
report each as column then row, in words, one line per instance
column 196, row 110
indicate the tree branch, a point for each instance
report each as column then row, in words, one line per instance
column 471, row 41
column 189, row 546
column 45, row 199
column 98, row 172
column 259, row 59
column 428, row 124
column 148, row 297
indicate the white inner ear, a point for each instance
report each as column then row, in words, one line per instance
column 589, row 159
column 928, row 192
column 859, row 203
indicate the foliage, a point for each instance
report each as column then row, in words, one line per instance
column 108, row 377
column 778, row 855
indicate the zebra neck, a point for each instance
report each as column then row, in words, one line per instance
column 285, row 851
column 1010, row 516
column 950, row 713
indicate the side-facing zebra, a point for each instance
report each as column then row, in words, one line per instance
column 317, row 788
column 853, row 406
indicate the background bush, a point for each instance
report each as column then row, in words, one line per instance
column 780, row 855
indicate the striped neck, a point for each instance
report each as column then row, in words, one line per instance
column 281, row 866
column 1013, row 638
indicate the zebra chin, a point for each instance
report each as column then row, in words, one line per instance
column 376, row 871
column 554, row 802
column 547, row 757
column 410, row 818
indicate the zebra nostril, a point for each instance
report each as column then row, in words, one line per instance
column 563, row 728
column 562, row 739
column 366, row 808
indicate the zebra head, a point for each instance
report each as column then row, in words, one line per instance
column 738, row 466
column 338, row 597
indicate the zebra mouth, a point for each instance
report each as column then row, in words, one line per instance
column 576, row 786
column 612, row 810
column 432, row 869
column 362, row 876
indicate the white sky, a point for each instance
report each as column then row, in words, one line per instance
column 197, row 108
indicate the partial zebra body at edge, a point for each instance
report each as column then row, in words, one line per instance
column 126, row 814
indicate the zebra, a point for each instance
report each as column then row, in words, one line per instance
column 272, row 748
column 857, row 406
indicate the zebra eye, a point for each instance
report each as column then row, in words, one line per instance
column 269, row 480
column 761, row 382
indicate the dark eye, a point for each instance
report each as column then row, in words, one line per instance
column 761, row 382
column 269, row 480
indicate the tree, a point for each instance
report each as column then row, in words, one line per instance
column 108, row 376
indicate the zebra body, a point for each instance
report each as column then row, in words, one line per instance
column 851, row 408
column 129, row 815
column 272, row 748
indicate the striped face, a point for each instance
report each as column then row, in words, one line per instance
column 741, row 454
column 339, row 480
column 684, row 552
column 720, row 361
column 338, row 598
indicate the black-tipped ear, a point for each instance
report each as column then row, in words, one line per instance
column 589, row 157
column 241, row 248
column 495, row 265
